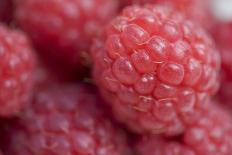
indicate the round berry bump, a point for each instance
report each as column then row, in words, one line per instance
column 16, row 66
column 65, row 120
column 63, row 30
column 156, row 76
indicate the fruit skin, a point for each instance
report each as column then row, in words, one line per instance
column 65, row 120
column 63, row 30
column 209, row 134
column 152, row 66
column 222, row 33
column 17, row 62
column 6, row 11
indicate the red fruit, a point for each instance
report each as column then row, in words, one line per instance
column 209, row 134
column 16, row 67
column 222, row 34
column 6, row 10
column 65, row 120
column 63, row 30
column 153, row 66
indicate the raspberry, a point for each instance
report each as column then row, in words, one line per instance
column 16, row 64
column 63, row 30
column 65, row 120
column 153, row 66
column 6, row 10
column 222, row 34
column 208, row 135
column 197, row 10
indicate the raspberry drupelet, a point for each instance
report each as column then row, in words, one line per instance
column 63, row 30
column 152, row 66
column 209, row 134
column 65, row 120
column 17, row 62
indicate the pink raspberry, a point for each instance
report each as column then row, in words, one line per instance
column 6, row 10
column 63, row 29
column 209, row 134
column 153, row 66
column 65, row 120
column 16, row 66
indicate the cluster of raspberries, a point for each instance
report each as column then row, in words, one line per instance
column 114, row 77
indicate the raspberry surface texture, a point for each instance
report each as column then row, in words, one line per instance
column 17, row 62
column 6, row 10
column 197, row 10
column 222, row 33
column 65, row 120
column 153, row 66
column 208, row 135
column 63, row 30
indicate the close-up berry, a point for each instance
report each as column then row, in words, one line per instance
column 17, row 62
column 208, row 134
column 65, row 120
column 153, row 66
column 63, row 30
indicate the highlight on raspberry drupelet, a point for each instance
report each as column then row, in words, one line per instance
column 65, row 120
column 153, row 66
column 17, row 62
